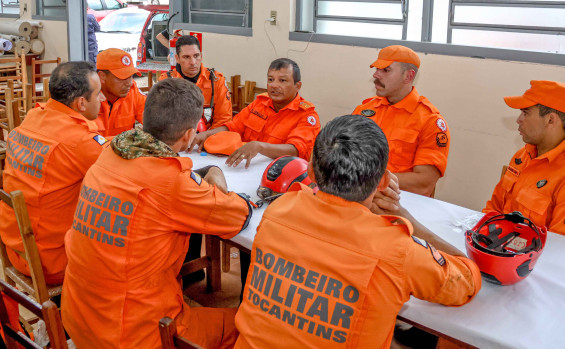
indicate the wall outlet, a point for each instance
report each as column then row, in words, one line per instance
column 273, row 17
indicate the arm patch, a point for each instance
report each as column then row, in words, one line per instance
column 100, row 139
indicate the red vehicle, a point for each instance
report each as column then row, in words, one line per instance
column 101, row 8
column 151, row 54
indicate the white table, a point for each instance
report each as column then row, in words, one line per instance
column 530, row 314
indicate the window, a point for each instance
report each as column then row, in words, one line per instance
column 10, row 7
column 52, row 8
column 113, row 5
column 217, row 16
column 528, row 30
column 95, row 5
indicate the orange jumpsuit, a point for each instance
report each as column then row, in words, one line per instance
column 47, row 158
column 222, row 102
column 535, row 186
column 121, row 116
column 328, row 273
column 127, row 243
column 417, row 134
column 297, row 124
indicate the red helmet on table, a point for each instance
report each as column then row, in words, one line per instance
column 505, row 246
column 280, row 174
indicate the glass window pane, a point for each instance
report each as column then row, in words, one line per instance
column 95, row 5
column 414, row 29
column 10, row 7
column 367, row 30
column 217, row 19
column 440, row 17
column 360, row 9
column 520, row 41
column 113, row 5
column 506, row 15
column 232, row 5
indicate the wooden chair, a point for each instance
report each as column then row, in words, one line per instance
column 149, row 82
column 47, row 311
column 35, row 285
column 170, row 339
column 13, row 68
column 37, row 77
column 9, row 119
column 210, row 261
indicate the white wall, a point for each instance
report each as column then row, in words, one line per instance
column 336, row 78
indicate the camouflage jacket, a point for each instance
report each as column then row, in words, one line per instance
column 136, row 143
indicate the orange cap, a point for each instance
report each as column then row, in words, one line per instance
column 225, row 142
column 396, row 53
column 548, row 93
column 117, row 61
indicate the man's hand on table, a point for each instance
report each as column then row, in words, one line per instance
column 215, row 176
column 387, row 201
column 246, row 152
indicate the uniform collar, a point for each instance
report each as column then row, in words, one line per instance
column 293, row 105
column 408, row 103
column 336, row 200
column 60, row 107
column 550, row 155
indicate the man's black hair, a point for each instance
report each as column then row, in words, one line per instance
column 280, row 63
column 186, row 40
column 71, row 80
column 350, row 157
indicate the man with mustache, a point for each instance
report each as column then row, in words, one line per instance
column 217, row 103
column 124, row 103
column 534, row 182
column 417, row 134
column 277, row 123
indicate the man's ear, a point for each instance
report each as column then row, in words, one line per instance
column 189, row 135
column 298, row 85
column 409, row 76
column 80, row 104
column 102, row 77
column 385, row 180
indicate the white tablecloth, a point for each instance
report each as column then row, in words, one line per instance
column 530, row 314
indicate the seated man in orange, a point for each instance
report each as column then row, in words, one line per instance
column 124, row 102
column 47, row 157
column 327, row 271
column 277, row 123
column 138, row 205
column 217, row 103
column 534, row 182
column 417, row 134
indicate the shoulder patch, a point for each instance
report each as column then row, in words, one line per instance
column 196, row 177
column 100, row 139
column 306, row 105
column 420, row 242
column 441, row 139
column 437, row 256
column 429, row 105
column 441, row 124
column 368, row 112
column 311, row 120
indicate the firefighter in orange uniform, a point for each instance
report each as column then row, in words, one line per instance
column 418, row 135
column 328, row 271
column 277, row 123
column 534, row 182
column 138, row 205
column 217, row 103
column 47, row 158
column 124, row 102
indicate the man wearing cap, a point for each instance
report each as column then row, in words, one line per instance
column 47, row 157
column 534, row 182
column 124, row 102
column 217, row 103
column 279, row 122
column 417, row 134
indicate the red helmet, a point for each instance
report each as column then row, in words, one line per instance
column 281, row 174
column 505, row 246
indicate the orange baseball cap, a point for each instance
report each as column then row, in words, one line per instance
column 395, row 53
column 117, row 61
column 548, row 93
column 225, row 143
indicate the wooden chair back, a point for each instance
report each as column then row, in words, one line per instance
column 11, row 111
column 47, row 311
column 37, row 76
column 35, row 285
column 147, row 88
column 170, row 339
column 244, row 95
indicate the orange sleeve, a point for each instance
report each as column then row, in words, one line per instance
column 557, row 223
column 438, row 277
column 139, row 103
column 163, row 76
column 87, row 151
column 217, row 213
column 496, row 201
column 304, row 134
column 433, row 146
column 222, row 103
column 237, row 124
